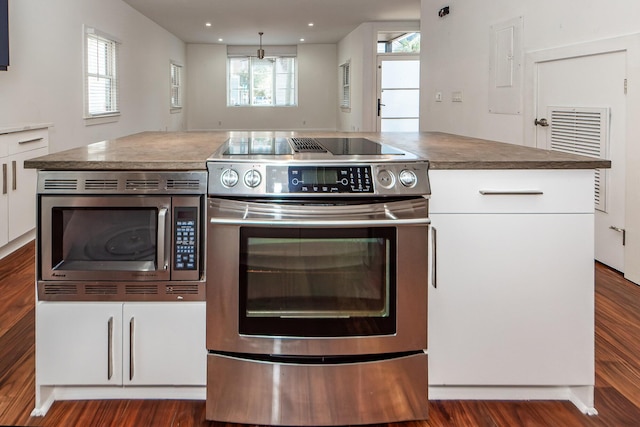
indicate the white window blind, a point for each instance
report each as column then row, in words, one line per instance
column 345, row 99
column 176, row 85
column 583, row 131
column 101, row 74
column 271, row 81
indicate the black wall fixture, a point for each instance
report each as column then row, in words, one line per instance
column 443, row 12
column 4, row 34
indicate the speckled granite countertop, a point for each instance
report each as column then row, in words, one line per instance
column 189, row 151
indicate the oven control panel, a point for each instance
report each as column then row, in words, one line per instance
column 297, row 180
column 185, row 226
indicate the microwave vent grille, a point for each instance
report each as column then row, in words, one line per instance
column 101, row 184
column 182, row 290
column 183, row 184
column 142, row 289
column 142, row 184
column 61, row 184
column 60, row 289
column 100, row 289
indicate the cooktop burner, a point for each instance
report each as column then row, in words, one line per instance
column 322, row 147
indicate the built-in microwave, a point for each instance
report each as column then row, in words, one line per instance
column 128, row 240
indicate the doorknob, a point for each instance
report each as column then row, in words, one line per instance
column 380, row 105
column 541, row 122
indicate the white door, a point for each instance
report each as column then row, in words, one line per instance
column 581, row 86
column 398, row 93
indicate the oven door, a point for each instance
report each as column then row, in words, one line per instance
column 105, row 238
column 317, row 278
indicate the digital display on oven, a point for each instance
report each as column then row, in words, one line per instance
column 330, row 179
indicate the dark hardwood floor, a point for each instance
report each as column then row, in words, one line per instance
column 617, row 371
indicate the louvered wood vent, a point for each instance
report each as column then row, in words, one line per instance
column 583, row 131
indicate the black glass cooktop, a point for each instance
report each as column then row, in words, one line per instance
column 270, row 146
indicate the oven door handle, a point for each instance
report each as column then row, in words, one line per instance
column 321, row 223
column 163, row 263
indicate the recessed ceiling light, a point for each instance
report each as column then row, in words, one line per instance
column 310, row 24
column 301, row 40
column 208, row 24
column 220, row 40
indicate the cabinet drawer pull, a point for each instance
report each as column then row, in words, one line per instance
column 131, row 347
column 27, row 141
column 434, row 258
column 511, row 192
column 4, row 178
column 110, row 348
column 14, row 175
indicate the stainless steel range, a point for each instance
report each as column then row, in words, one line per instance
column 317, row 282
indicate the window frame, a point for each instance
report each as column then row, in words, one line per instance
column 345, row 85
column 176, row 86
column 111, row 75
column 251, row 89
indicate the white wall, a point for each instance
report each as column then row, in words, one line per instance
column 45, row 79
column 207, row 99
column 455, row 53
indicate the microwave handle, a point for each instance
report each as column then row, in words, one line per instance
column 162, row 239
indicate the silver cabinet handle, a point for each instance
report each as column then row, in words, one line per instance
column 511, row 192
column 162, row 239
column 4, row 178
column 27, row 141
column 110, row 348
column 434, row 258
column 131, row 347
column 14, row 174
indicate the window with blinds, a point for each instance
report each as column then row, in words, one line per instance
column 176, row 86
column 101, row 74
column 345, row 98
column 583, row 131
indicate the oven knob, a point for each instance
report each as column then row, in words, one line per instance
column 229, row 178
column 386, row 178
column 408, row 178
column 252, row 178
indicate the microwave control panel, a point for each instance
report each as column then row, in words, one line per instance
column 185, row 226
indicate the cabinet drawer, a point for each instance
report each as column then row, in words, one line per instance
column 20, row 142
column 512, row 191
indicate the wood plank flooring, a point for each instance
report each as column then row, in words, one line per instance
column 617, row 372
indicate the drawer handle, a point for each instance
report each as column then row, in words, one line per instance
column 27, row 141
column 4, row 178
column 511, row 192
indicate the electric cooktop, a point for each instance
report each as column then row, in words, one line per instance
column 307, row 149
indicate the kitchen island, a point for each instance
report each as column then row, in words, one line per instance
column 511, row 295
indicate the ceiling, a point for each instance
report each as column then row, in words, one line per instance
column 284, row 22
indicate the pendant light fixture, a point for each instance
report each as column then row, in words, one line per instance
column 261, row 50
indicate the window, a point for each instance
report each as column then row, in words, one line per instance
column 398, row 42
column 101, row 74
column 345, row 71
column 271, row 81
column 176, row 86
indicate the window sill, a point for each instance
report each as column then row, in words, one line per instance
column 345, row 109
column 99, row 120
column 175, row 110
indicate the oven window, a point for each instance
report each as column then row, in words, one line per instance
column 317, row 282
column 104, row 239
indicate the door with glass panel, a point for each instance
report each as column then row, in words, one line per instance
column 398, row 93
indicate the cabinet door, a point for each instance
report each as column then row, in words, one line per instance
column 514, row 302
column 22, row 193
column 164, row 343
column 79, row 344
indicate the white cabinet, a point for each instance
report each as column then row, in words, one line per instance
column 513, row 302
column 120, row 343
column 17, row 184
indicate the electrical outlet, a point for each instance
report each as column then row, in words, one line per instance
column 456, row 96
